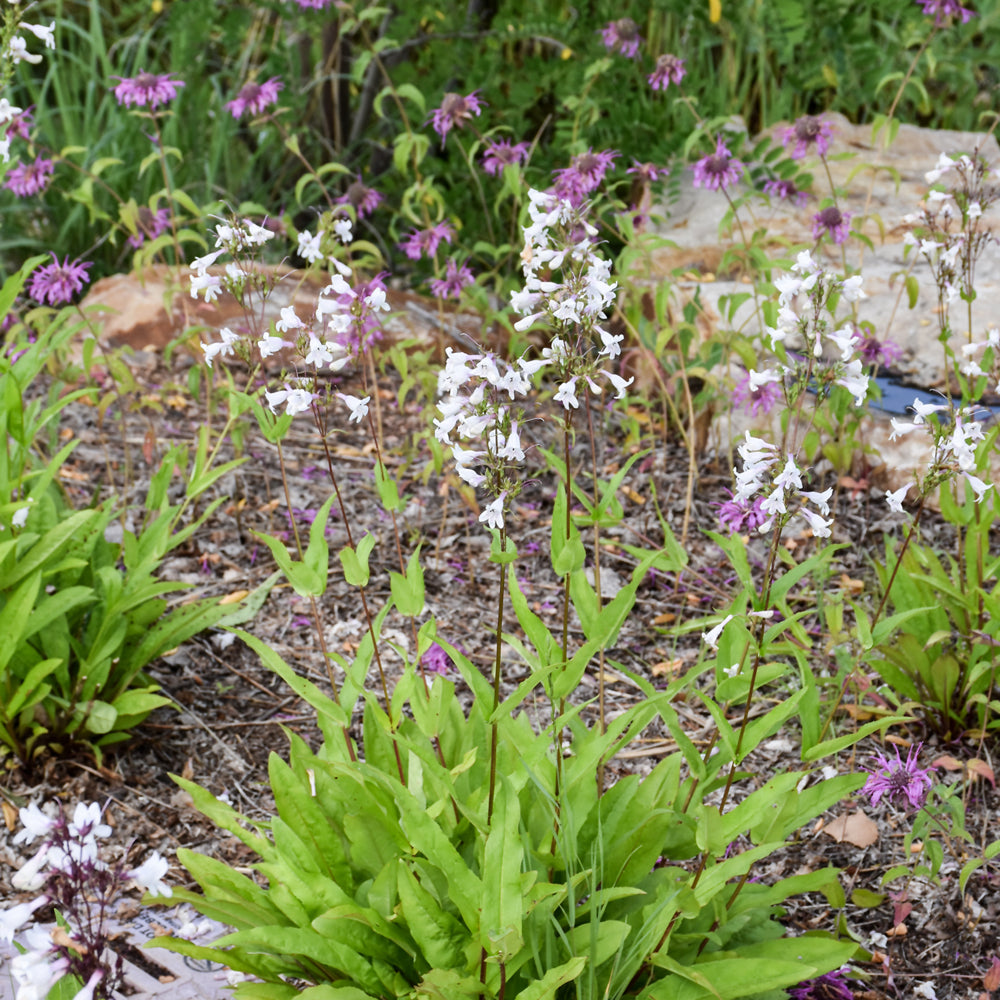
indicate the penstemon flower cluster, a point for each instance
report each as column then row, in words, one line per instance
column 345, row 323
column 69, row 875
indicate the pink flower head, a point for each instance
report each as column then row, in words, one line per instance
column 583, row 175
column 313, row 4
column 20, row 124
column 454, row 112
column 254, row 97
column 646, row 172
column 424, row 242
column 809, row 130
column 833, row 223
column 786, row 191
column 150, row 224
column 34, row 178
column 880, row 353
column 756, row 399
column 456, row 278
column 362, row 198
column 669, row 69
column 436, row 660
column 622, row 36
column 153, row 89
column 739, row 515
column 501, row 153
column 942, row 9
column 898, row 778
column 56, row 283
column 718, row 170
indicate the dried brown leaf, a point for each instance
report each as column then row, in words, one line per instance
column 856, row 829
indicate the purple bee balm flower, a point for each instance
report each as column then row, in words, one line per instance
column 436, row 660
column 153, row 89
column 829, row 986
column 362, row 198
column 669, row 69
column 942, row 9
column 424, row 242
column 502, row 153
column 809, row 130
column 583, row 175
column 34, row 178
column 880, row 353
column 646, row 172
column 57, row 283
column 456, row 278
column 150, row 225
column 756, row 399
column 622, row 36
column 739, row 516
column 254, row 97
column 832, row 222
column 786, row 190
column 897, row 778
column 718, row 170
column 19, row 125
column 454, row 112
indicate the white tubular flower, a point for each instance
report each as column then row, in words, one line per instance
column 619, row 384
column 789, row 478
column 275, row 399
column 820, row 499
column 358, row 407
column 895, row 499
column 711, row 637
column 978, row 486
column 149, row 875
column 36, row 824
column 269, row 345
column 855, row 381
column 319, row 353
column 18, row 51
column 298, row 401
column 8, row 112
column 29, row 877
column 43, row 33
column 470, row 476
column 567, row 394
column 342, row 227
column 611, row 344
column 15, row 917
column 376, row 300
column 289, row 320
column 224, row 347
column 309, row 246
column 851, row 289
column 820, row 525
column 492, row 516
column 210, row 284
column 87, row 821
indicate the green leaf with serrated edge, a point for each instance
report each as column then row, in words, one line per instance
column 300, row 810
column 829, row 747
column 440, row 937
column 234, row 958
column 224, row 816
column 222, row 885
column 305, row 942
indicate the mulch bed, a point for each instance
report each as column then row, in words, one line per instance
column 231, row 712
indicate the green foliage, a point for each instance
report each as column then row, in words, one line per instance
column 941, row 663
column 81, row 616
column 388, row 872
